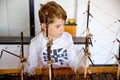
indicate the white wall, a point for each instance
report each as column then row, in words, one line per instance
column 9, row 61
column 14, row 17
column 3, row 18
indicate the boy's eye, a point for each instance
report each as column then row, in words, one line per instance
column 57, row 26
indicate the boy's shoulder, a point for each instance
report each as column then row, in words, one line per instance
column 67, row 34
column 37, row 37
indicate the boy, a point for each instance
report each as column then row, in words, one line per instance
column 62, row 49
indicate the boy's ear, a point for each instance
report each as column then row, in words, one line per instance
column 43, row 26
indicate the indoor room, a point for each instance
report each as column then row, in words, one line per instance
column 59, row 40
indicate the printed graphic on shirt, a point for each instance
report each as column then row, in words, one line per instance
column 58, row 55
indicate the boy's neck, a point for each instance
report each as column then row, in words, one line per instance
column 49, row 37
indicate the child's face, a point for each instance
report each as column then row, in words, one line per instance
column 56, row 28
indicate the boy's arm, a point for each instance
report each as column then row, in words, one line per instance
column 32, row 60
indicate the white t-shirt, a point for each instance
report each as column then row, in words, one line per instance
column 62, row 53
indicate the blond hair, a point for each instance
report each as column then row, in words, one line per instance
column 52, row 10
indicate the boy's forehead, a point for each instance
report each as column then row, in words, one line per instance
column 57, row 20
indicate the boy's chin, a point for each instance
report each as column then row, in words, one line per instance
column 59, row 36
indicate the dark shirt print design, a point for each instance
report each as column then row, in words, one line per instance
column 57, row 55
